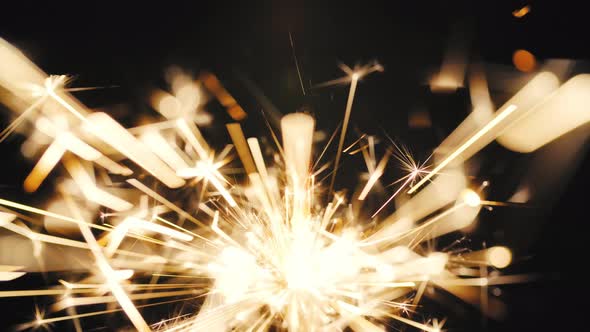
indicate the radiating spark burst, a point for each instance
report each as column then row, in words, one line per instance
column 270, row 253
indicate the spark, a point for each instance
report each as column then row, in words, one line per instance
column 154, row 204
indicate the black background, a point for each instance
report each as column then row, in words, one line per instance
column 130, row 46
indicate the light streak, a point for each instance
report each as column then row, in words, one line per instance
column 353, row 84
column 45, row 321
column 118, row 292
column 498, row 119
column 408, row 180
column 375, row 175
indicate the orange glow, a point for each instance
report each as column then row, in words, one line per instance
column 524, row 60
column 419, row 119
column 236, row 112
column 216, row 88
column 519, row 13
column 43, row 167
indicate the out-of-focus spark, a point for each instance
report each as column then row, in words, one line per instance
column 110, row 131
column 214, row 85
column 499, row 257
column 561, row 112
column 520, row 13
column 237, row 136
column 297, row 131
column 46, row 163
column 524, row 60
column 8, row 273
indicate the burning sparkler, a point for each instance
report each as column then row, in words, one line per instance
column 273, row 252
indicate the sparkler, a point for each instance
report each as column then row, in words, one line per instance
column 258, row 255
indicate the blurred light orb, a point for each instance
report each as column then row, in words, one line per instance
column 524, row 60
column 471, row 198
column 499, row 257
